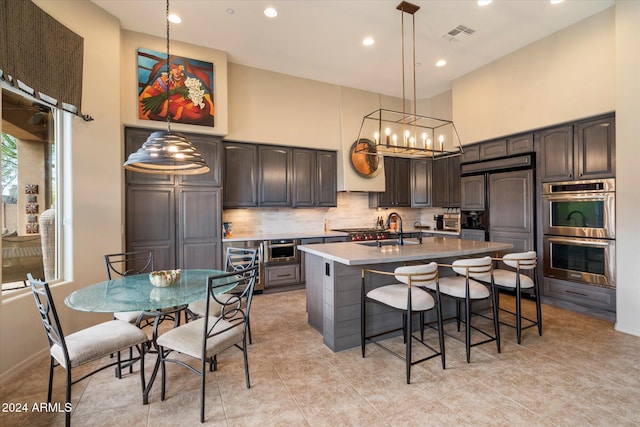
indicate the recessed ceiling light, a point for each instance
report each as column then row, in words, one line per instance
column 484, row 2
column 368, row 41
column 173, row 18
column 231, row 11
column 556, row 1
column 441, row 63
column 270, row 12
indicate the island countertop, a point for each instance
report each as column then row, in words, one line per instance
column 361, row 253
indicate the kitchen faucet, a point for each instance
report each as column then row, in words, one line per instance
column 400, row 241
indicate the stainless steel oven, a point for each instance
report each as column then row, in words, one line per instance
column 281, row 251
column 580, row 208
column 580, row 260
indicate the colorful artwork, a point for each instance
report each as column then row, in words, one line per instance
column 186, row 94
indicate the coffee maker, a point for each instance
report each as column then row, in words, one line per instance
column 439, row 219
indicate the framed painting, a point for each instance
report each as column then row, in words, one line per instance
column 186, row 94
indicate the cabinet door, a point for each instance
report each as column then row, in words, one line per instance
column 440, row 186
column 511, row 202
column 386, row 198
column 209, row 147
column 403, row 182
column 303, row 186
column 420, row 183
column 478, row 235
column 151, row 222
column 472, row 197
column 274, row 181
column 471, row 154
column 327, row 179
column 556, row 153
column 493, row 149
column 240, row 175
column 595, row 152
column 453, row 171
column 520, row 144
column 198, row 227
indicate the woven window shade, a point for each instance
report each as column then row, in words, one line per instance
column 41, row 53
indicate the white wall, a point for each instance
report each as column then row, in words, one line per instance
column 627, row 170
column 566, row 76
column 95, row 221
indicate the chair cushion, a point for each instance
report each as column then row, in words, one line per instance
column 526, row 260
column 479, row 268
column 199, row 307
column 507, row 279
column 421, row 274
column 127, row 316
column 455, row 286
column 396, row 296
column 187, row 339
column 98, row 341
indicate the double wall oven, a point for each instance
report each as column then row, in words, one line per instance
column 579, row 231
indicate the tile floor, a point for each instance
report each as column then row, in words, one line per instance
column 580, row 372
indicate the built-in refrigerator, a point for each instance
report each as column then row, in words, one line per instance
column 498, row 198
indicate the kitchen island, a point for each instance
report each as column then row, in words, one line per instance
column 333, row 280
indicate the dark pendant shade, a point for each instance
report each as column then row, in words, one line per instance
column 167, row 152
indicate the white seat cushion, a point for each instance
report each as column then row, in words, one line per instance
column 524, row 260
column 396, row 296
column 127, row 316
column 507, row 279
column 455, row 287
column 421, row 274
column 215, row 308
column 187, row 339
column 98, row 341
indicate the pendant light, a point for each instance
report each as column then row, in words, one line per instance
column 403, row 133
column 167, row 152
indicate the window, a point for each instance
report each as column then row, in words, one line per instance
column 30, row 195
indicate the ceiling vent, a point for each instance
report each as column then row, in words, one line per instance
column 459, row 33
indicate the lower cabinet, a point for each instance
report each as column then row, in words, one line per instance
column 580, row 294
column 478, row 235
column 281, row 275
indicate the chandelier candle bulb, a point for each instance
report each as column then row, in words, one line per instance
column 387, row 132
column 376, row 137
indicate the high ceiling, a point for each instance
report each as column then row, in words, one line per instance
column 322, row 40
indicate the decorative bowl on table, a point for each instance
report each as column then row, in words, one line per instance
column 164, row 278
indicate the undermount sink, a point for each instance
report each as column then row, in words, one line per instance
column 392, row 242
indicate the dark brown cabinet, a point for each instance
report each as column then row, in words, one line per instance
column 472, row 193
column 397, row 185
column 446, row 182
column 314, row 178
column 176, row 216
column 421, row 183
column 585, row 150
column 240, row 175
column 274, row 176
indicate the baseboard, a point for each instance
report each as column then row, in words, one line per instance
column 18, row 369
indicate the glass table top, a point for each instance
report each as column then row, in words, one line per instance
column 136, row 293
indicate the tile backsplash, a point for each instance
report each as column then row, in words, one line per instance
column 352, row 211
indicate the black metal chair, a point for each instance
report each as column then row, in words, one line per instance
column 236, row 259
column 517, row 281
column 84, row 346
column 463, row 288
column 128, row 264
column 408, row 297
column 223, row 325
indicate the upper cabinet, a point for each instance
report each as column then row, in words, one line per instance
column 472, row 193
column 240, row 185
column 314, row 178
column 397, row 185
column 582, row 151
column 421, row 183
column 274, row 176
column 446, row 183
column 511, row 146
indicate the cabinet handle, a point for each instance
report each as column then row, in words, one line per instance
column 577, row 293
column 283, row 275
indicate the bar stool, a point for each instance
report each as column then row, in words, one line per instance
column 408, row 297
column 520, row 283
column 463, row 287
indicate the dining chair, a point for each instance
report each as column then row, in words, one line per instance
column 84, row 346
column 127, row 264
column 236, row 259
column 223, row 325
column 515, row 279
column 464, row 289
column 409, row 297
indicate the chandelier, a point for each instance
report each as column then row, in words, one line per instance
column 406, row 134
column 167, row 152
